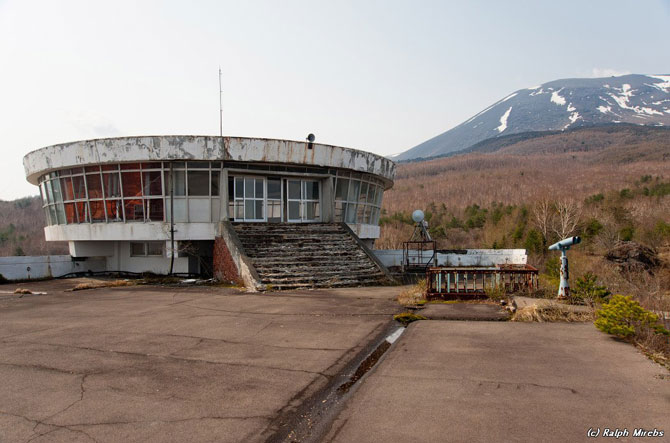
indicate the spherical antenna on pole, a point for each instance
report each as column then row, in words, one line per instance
column 311, row 138
column 418, row 216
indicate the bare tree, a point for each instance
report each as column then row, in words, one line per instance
column 568, row 213
column 543, row 214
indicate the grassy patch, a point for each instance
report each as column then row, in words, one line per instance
column 101, row 284
column 408, row 317
column 415, row 295
column 550, row 314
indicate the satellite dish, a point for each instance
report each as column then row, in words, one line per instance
column 311, row 138
column 417, row 216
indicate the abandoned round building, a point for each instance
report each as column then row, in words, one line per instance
column 156, row 204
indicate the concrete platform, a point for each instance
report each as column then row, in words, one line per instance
column 159, row 364
column 504, row 381
column 464, row 311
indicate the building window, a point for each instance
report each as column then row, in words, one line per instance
column 358, row 198
column 146, row 249
column 131, row 192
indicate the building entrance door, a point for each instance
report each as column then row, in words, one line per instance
column 274, row 205
column 303, row 201
column 249, row 199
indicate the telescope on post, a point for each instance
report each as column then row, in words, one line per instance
column 563, row 246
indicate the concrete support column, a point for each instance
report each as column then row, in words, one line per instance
column 328, row 200
column 223, row 195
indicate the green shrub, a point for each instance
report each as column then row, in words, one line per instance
column 595, row 198
column 626, row 193
column 587, row 290
column 534, row 242
column 592, row 228
column 627, row 233
column 624, row 317
column 663, row 229
column 659, row 189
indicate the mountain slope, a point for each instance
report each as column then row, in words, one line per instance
column 559, row 105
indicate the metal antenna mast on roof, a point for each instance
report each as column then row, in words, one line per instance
column 220, row 106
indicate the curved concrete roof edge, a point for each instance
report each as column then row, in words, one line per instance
column 203, row 147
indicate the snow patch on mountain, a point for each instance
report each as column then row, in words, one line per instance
column 556, row 98
column 556, row 105
column 503, row 120
column 623, row 100
column 665, row 82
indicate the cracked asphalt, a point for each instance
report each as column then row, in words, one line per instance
column 502, row 381
column 139, row 363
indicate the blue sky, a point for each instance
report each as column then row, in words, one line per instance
column 382, row 76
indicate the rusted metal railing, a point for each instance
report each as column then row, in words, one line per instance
column 473, row 282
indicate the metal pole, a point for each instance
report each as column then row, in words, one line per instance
column 564, row 287
column 171, row 218
column 220, row 106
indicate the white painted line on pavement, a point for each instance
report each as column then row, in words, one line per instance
column 393, row 337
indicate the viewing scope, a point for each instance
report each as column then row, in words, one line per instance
column 565, row 243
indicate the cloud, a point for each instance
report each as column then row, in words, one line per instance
column 607, row 72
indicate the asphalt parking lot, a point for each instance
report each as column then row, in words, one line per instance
column 175, row 364
column 493, row 381
column 166, row 364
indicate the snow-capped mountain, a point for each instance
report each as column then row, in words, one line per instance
column 559, row 105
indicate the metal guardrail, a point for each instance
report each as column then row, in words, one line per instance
column 473, row 282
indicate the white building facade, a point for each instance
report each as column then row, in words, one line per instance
column 130, row 199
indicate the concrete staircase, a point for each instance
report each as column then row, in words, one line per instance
column 308, row 255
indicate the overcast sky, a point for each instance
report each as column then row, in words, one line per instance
column 382, row 76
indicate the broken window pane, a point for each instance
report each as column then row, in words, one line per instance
column 134, row 209
column 132, row 185
column 66, row 187
column 152, row 183
column 198, row 183
column 111, row 184
column 79, row 187
column 97, row 211
column 215, row 183
column 154, row 209
column 114, row 211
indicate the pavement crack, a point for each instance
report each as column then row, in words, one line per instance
column 295, row 314
column 177, row 420
column 158, row 356
column 39, row 367
column 481, row 382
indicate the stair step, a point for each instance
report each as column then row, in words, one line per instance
column 300, row 273
column 310, row 255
